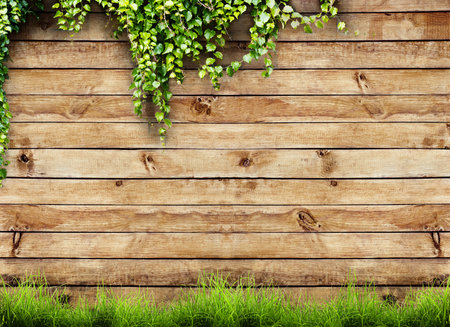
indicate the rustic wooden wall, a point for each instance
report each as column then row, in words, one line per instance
column 338, row 163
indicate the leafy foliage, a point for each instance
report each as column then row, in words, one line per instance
column 162, row 34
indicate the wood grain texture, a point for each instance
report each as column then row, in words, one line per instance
column 236, row 109
column 224, row 245
column 225, row 191
column 343, row 6
column 371, row 27
column 281, row 82
column 229, row 163
column 232, row 136
column 418, row 54
column 326, row 272
column 224, row 219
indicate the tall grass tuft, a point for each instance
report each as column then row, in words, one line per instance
column 219, row 302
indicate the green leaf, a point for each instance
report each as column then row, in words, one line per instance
column 288, row 9
column 307, row 29
column 264, row 17
column 209, row 34
column 247, row 58
column 159, row 116
column 236, row 65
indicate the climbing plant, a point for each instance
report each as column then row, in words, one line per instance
column 162, row 33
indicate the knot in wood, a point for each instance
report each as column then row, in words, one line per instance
column 44, row 26
column 24, row 158
column 322, row 153
column 201, row 106
column 119, row 183
column 245, row 162
column 307, row 221
column 333, row 183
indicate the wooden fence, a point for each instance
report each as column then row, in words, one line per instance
column 336, row 165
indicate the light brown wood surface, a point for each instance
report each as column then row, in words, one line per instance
column 226, row 191
column 281, row 82
column 418, row 54
column 232, row 136
column 224, row 219
column 236, row 109
column 224, row 245
column 163, row 272
column 229, row 163
column 370, row 27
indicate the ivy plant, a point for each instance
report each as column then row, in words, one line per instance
column 163, row 33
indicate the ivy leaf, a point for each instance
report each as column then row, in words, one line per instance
column 210, row 47
column 307, row 29
column 230, row 71
column 295, row 24
column 159, row 116
column 209, row 34
column 236, row 65
column 247, row 58
column 288, row 9
column 264, row 17
column 202, row 73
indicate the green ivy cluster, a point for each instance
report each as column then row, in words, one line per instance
column 12, row 13
column 162, row 34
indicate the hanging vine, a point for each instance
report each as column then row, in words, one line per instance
column 162, row 33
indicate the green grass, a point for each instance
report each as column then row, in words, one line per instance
column 215, row 303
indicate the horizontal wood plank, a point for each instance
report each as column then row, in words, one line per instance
column 370, row 27
column 326, row 272
column 232, row 136
column 224, row 219
column 289, row 55
column 228, row 163
column 343, row 6
column 236, row 109
column 225, row 191
column 224, row 245
column 281, row 82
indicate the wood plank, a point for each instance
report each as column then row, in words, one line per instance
column 236, row 219
column 228, row 163
column 344, row 6
column 289, row 55
column 282, row 82
column 326, row 272
column 225, row 191
column 371, row 27
column 235, row 109
column 232, row 136
column 165, row 295
column 224, row 245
